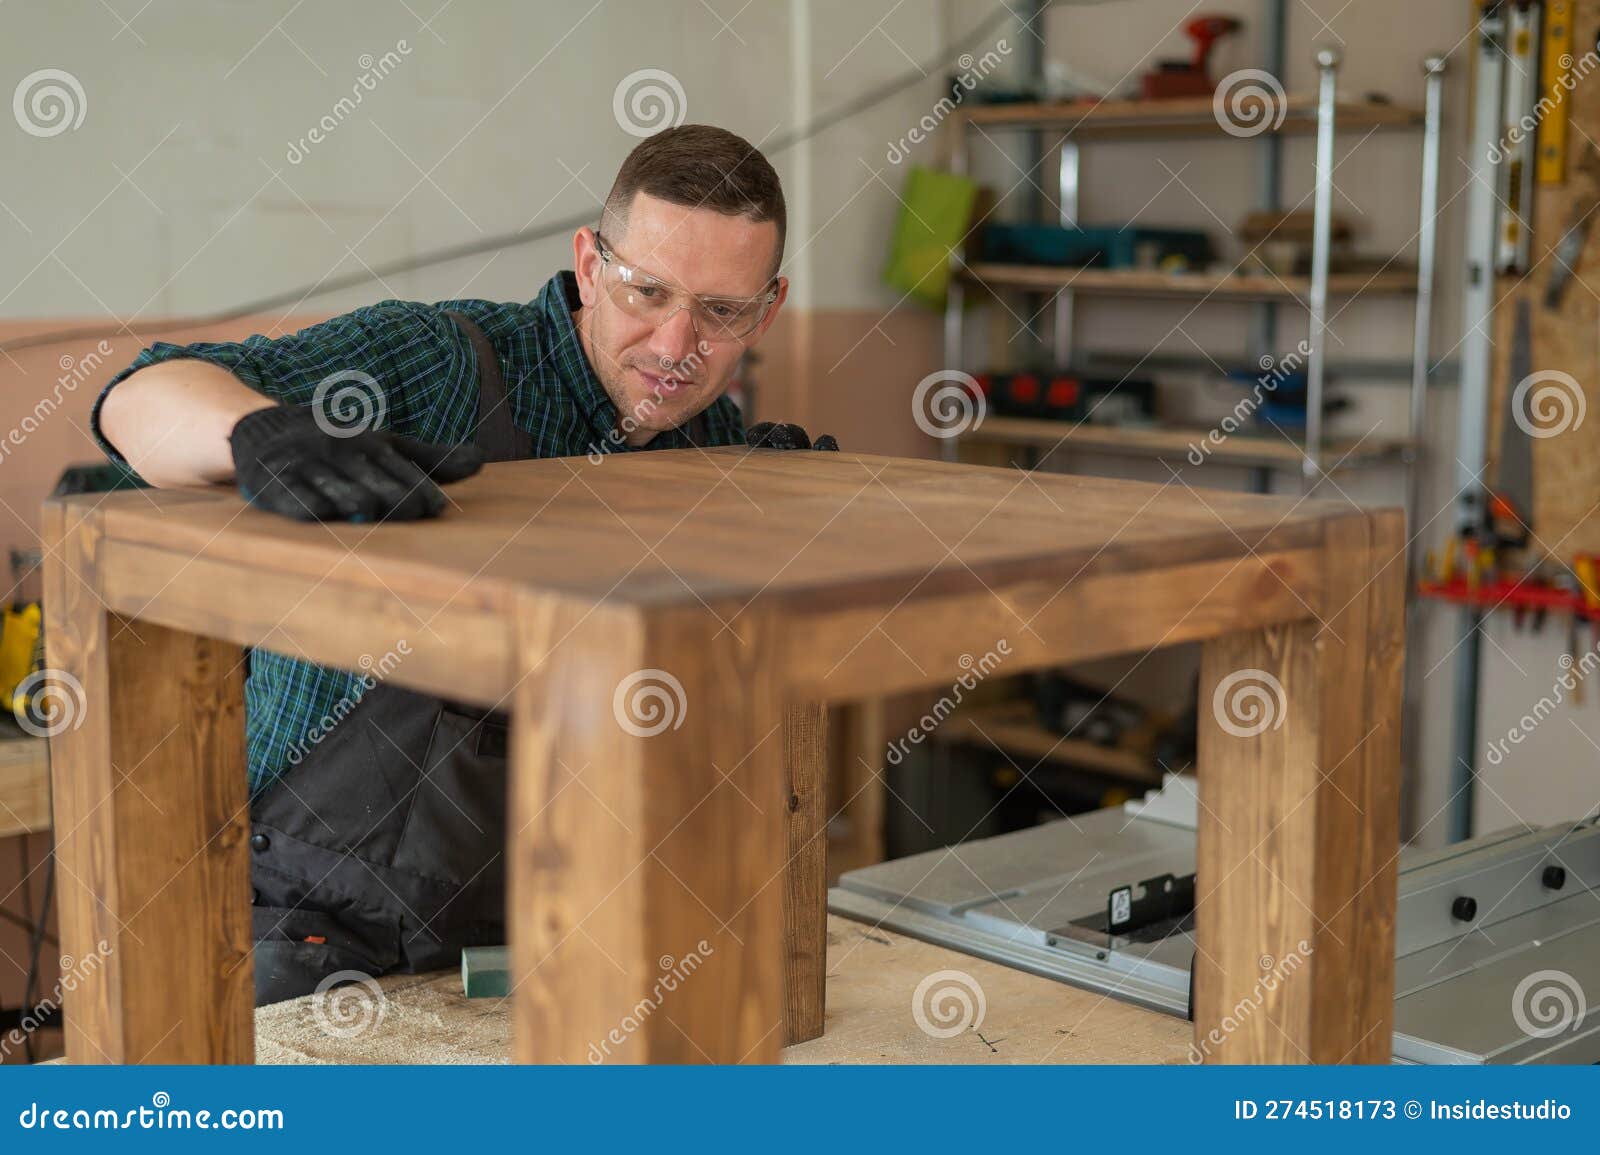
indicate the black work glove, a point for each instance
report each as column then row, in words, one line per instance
column 780, row 435
column 287, row 462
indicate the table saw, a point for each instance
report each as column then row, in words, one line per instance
column 1497, row 956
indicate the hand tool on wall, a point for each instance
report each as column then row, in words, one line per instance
column 1176, row 78
column 1567, row 583
column 1586, row 569
column 1470, row 576
column 1569, row 249
column 1509, row 509
column 1555, row 63
column 1515, row 177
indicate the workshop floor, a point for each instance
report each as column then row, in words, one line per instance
column 873, row 977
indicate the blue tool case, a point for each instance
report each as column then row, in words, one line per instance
column 1111, row 248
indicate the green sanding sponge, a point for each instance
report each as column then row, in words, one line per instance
column 486, row 972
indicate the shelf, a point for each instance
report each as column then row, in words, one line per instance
column 1191, row 116
column 1269, row 451
column 1012, row 727
column 1224, row 286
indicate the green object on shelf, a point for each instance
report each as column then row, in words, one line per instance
column 934, row 217
column 486, row 972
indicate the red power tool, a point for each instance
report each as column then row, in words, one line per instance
column 1175, row 78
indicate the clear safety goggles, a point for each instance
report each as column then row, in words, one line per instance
column 654, row 301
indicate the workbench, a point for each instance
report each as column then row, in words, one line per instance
column 24, row 786
column 976, row 1012
column 663, row 629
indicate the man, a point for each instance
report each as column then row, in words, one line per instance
column 378, row 813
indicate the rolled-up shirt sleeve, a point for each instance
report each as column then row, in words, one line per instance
column 226, row 354
column 364, row 356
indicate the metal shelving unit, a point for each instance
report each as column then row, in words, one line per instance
column 1191, row 118
column 1256, row 451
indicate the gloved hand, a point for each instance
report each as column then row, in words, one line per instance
column 779, row 435
column 286, row 462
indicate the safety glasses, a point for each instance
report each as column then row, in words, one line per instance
column 654, row 301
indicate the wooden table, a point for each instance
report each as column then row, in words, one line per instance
column 740, row 589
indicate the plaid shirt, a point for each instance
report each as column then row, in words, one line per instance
column 430, row 375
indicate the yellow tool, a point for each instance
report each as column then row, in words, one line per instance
column 1479, row 564
column 1447, row 571
column 1551, row 167
column 1583, row 565
column 19, row 646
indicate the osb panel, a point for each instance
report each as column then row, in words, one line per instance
column 1566, row 466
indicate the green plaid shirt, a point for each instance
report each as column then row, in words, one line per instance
column 430, row 374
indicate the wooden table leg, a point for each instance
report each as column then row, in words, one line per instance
column 1299, row 819
column 647, row 838
column 805, row 894
column 151, row 826
column 862, row 749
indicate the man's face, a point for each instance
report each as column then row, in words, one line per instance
column 660, row 375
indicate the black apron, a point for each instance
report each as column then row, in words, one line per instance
column 383, row 849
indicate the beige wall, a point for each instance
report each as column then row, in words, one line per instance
column 50, row 389
column 179, row 194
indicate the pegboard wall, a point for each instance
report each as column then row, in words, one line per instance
column 1566, row 338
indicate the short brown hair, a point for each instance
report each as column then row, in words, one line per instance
column 699, row 166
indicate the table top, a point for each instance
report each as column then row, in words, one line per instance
column 684, row 526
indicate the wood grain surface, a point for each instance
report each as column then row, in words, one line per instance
column 24, row 786
column 697, row 527
column 1299, row 820
column 729, row 592
column 151, row 823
